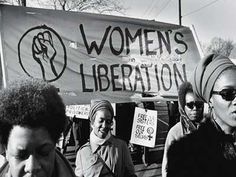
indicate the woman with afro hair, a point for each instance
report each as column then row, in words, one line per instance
column 32, row 118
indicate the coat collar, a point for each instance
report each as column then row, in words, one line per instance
column 95, row 147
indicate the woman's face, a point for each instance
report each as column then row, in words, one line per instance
column 102, row 123
column 193, row 107
column 30, row 152
column 225, row 111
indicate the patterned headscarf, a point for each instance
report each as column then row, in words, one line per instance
column 207, row 72
column 98, row 105
column 187, row 125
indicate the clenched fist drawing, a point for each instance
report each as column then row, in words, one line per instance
column 47, row 58
column 44, row 51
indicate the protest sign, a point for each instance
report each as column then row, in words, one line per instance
column 82, row 111
column 78, row 111
column 144, row 127
column 91, row 56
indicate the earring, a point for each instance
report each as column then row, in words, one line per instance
column 211, row 107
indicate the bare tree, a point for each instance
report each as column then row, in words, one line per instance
column 14, row 2
column 21, row 2
column 3, row 1
column 220, row 46
column 99, row 6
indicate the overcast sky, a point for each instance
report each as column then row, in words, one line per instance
column 211, row 18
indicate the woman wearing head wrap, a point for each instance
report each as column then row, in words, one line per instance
column 104, row 155
column 191, row 115
column 210, row 151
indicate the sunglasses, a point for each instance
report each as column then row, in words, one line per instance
column 197, row 104
column 226, row 94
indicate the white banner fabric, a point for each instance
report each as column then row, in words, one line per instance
column 90, row 56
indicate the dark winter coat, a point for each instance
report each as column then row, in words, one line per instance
column 208, row 152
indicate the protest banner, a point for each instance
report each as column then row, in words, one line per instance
column 144, row 127
column 82, row 111
column 91, row 56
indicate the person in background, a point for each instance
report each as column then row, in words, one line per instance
column 2, row 154
column 65, row 136
column 104, row 155
column 81, row 130
column 32, row 118
column 191, row 115
column 211, row 150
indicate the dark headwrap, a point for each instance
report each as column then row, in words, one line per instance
column 98, row 105
column 204, row 78
column 207, row 72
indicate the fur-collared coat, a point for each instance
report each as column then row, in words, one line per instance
column 207, row 152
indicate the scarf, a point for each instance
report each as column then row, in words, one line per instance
column 227, row 143
column 204, row 77
column 187, row 125
column 95, row 141
column 207, row 72
column 98, row 105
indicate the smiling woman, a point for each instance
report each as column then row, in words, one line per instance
column 32, row 117
column 104, row 155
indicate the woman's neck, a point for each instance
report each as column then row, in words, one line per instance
column 224, row 127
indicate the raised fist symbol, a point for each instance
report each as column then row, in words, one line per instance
column 44, row 52
column 48, row 53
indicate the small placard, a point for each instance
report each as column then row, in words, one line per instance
column 144, row 127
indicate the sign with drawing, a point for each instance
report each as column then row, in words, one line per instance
column 91, row 56
column 46, row 45
column 144, row 127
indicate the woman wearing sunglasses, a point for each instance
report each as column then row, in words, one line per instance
column 211, row 150
column 191, row 115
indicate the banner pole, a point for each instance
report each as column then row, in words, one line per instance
column 1, row 51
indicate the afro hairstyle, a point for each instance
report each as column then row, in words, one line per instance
column 31, row 103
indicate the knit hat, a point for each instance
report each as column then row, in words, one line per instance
column 97, row 105
column 207, row 72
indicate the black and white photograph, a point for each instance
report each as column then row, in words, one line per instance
column 117, row 88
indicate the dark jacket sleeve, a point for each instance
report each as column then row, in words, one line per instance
column 181, row 161
column 198, row 155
